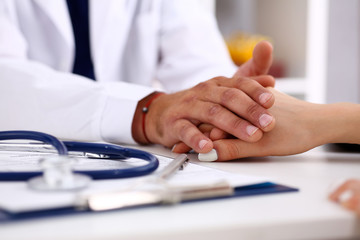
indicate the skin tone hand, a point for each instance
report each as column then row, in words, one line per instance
column 353, row 202
column 174, row 117
column 215, row 101
column 258, row 65
column 300, row 126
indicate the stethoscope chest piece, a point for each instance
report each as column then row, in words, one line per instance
column 58, row 175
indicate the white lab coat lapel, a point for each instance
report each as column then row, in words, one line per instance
column 58, row 13
column 109, row 22
column 109, row 26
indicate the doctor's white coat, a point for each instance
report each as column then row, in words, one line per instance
column 133, row 43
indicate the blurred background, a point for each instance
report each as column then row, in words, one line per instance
column 316, row 43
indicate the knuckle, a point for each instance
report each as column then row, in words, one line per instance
column 240, row 82
column 233, row 150
column 253, row 110
column 213, row 111
column 229, row 95
column 203, row 86
column 247, row 83
column 237, row 123
column 184, row 130
column 220, row 78
column 190, row 98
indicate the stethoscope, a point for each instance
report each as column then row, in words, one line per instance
column 57, row 172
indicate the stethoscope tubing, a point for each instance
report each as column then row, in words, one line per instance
column 37, row 136
column 114, row 152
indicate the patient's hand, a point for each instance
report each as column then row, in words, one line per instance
column 300, row 126
column 351, row 186
column 295, row 132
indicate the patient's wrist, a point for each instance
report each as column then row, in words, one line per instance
column 338, row 123
column 348, row 122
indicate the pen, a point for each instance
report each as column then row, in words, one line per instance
column 160, row 178
column 177, row 164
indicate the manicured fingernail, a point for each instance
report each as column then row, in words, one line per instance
column 265, row 120
column 251, row 130
column 208, row 157
column 264, row 97
column 202, row 143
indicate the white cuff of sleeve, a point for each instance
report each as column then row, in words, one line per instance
column 119, row 111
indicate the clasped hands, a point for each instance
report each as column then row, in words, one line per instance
column 236, row 106
column 242, row 116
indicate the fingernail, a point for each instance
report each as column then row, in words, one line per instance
column 345, row 196
column 264, row 97
column 173, row 148
column 208, row 157
column 202, row 143
column 251, row 130
column 265, row 120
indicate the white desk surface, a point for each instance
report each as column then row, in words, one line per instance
column 306, row 214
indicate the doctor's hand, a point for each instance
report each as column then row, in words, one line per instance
column 259, row 64
column 352, row 187
column 237, row 106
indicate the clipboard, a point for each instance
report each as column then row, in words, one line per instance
column 242, row 186
column 244, row 191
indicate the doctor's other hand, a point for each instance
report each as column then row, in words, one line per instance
column 352, row 201
column 300, row 126
column 235, row 105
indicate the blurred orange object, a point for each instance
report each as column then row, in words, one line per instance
column 241, row 46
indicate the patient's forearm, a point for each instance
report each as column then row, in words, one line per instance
column 337, row 123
